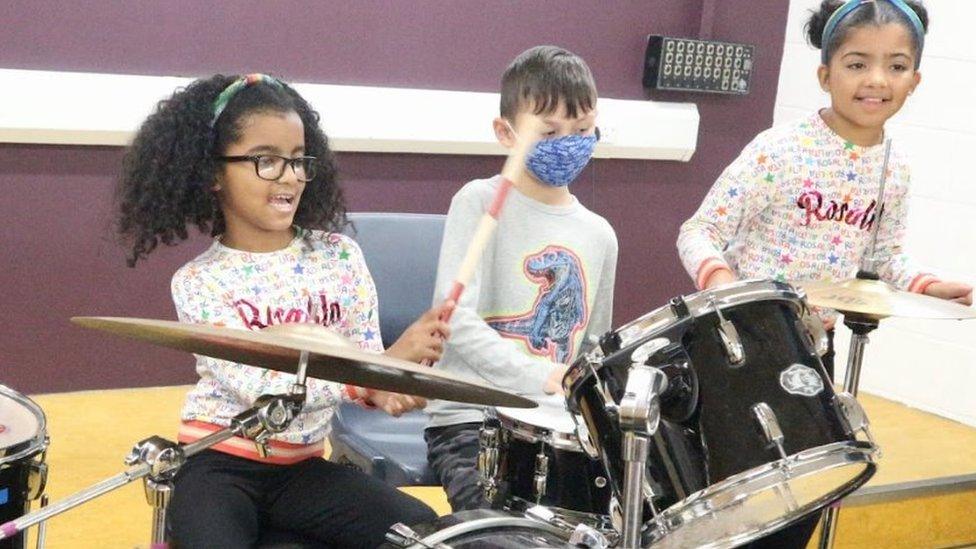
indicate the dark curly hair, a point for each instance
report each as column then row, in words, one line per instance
column 869, row 13
column 169, row 170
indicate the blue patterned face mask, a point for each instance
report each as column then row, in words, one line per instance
column 559, row 161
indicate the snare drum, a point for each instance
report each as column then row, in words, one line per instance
column 753, row 436
column 533, row 457
column 23, row 441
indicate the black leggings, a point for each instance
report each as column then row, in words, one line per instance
column 221, row 500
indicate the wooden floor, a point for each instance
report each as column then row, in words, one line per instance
column 91, row 432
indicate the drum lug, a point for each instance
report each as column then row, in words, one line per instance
column 769, row 426
column 729, row 336
column 36, row 479
column 541, row 474
column 857, row 419
column 616, row 514
column 817, row 341
column 583, row 435
column 489, row 442
column 588, row 537
column 582, row 535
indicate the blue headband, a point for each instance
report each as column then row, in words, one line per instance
column 237, row 85
column 842, row 12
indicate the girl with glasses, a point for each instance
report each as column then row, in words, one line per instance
column 244, row 159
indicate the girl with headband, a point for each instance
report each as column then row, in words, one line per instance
column 798, row 204
column 245, row 160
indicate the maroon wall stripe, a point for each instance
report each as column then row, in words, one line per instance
column 58, row 253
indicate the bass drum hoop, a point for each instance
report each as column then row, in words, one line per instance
column 739, row 488
column 489, row 523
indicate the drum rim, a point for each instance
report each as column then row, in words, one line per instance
column 603, row 523
column 466, row 527
column 38, row 443
column 834, row 455
column 698, row 304
column 530, row 432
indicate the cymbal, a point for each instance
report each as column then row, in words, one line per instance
column 331, row 357
column 877, row 299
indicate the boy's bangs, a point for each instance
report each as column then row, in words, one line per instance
column 578, row 96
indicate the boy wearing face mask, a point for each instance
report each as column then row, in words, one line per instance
column 544, row 285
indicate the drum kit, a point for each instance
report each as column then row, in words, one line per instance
column 708, row 422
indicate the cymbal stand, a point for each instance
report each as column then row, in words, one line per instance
column 156, row 459
column 861, row 326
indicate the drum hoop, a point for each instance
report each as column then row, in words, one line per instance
column 530, row 432
column 36, row 444
column 698, row 505
column 602, row 523
column 703, row 302
column 483, row 524
column 699, row 304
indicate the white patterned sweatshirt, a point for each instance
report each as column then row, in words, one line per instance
column 319, row 277
column 798, row 204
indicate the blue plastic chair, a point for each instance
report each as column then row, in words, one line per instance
column 401, row 251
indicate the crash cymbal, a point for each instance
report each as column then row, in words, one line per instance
column 877, row 299
column 331, row 357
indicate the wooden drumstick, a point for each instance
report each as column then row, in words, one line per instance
column 525, row 140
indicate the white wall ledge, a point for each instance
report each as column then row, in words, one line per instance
column 74, row 108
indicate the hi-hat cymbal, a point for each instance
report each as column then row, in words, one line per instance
column 331, row 357
column 877, row 299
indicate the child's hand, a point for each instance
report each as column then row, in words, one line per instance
column 554, row 382
column 424, row 339
column 719, row 278
column 953, row 291
column 396, row 404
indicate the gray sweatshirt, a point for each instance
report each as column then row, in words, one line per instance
column 543, row 287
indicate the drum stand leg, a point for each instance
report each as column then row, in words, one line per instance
column 158, row 495
column 639, row 416
column 860, row 328
column 635, row 448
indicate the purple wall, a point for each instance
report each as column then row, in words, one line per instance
column 60, row 259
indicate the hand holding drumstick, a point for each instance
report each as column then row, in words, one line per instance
column 528, row 133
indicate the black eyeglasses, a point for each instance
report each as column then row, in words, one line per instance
column 271, row 167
